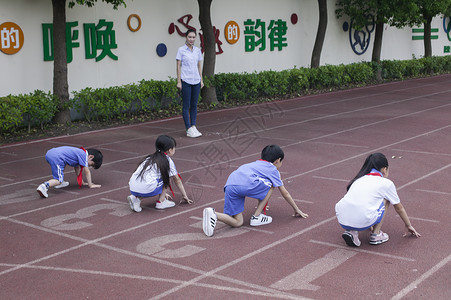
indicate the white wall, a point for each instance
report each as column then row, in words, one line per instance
column 26, row 70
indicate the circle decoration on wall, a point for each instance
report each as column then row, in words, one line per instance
column 129, row 22
column 232, row 32
column 294, row 18
column 12, row 38
column 162, row 50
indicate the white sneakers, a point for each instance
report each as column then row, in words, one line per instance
column 165, row 204
column 192, row 132
column 209, row 220
column 135, row 203
column 260, row 220
column 42, row 190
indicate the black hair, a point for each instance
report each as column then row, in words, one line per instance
column 162, row 145
column 373, row 161
column 190, row 30
column 98, row 157
column 271, row 153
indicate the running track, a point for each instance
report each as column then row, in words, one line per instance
column 88, row 244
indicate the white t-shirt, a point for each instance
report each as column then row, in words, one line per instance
column 359, row 207
column 151, row 179
column 189, row 64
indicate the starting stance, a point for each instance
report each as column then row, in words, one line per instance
column 367, row 199
column 255, row 180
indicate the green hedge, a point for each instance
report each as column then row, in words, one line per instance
column 39, row 108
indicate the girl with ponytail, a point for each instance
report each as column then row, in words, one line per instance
column 368, row 196
column 153, row 174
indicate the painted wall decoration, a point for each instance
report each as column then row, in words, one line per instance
column 11, row 38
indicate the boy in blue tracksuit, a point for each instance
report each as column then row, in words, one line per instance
column 255, row 180
column 79, row 158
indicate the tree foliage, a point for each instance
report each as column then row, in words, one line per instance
column 60, row 83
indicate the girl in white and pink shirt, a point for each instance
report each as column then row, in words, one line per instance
column 368, row 197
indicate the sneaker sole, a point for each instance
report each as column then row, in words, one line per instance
column 349, row 240
column 41, row 194
column 206, row 226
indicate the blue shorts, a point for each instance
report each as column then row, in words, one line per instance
column 57, row 167
column 380, row 214
column 155, row 192
column 235, row 195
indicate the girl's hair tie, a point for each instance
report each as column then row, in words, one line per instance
column 158, row 150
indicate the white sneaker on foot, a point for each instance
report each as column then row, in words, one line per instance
column 196, row 131
column 42, row 190
column 209, row 221
column 376, row 239
column 191, row 132
column 135, row 203
column 260, row 220
column 62, row 185
column 165, row 204
column 351, row 238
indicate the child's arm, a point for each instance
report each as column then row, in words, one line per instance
column 89, row 183
column 403, row 214
column 286, row 195
column 179, row 184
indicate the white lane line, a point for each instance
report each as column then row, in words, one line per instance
column 422, row 278
column 433, row 192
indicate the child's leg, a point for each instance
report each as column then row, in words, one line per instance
column 234, row 221
column 262, row 203
column 377, row 227
column 53, row 182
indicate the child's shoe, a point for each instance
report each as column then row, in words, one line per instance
column 62, row 185
column 135, row 203
column 260, row 220
column 209, row 221
column 42, row 190
column 376, row 239
column 351, row 238
column 165, row 204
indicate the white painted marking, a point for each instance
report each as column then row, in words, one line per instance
column 422, row 278
column 61, row 222
column 156, row 245
column 22, row 195
column 362, row 250
column 330, row 178
column 300, row 280
column 433, row 192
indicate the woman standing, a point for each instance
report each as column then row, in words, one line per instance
column 189, row 81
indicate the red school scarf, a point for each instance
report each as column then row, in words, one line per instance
column 80, row 176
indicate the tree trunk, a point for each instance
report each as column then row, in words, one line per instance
column 60, row 85
column 208, row 69
column 376, row 56
column 427, row 37
column 320, row 34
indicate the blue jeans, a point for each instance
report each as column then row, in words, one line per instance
column 190, row 96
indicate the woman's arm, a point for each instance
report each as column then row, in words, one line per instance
column 179, row 72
